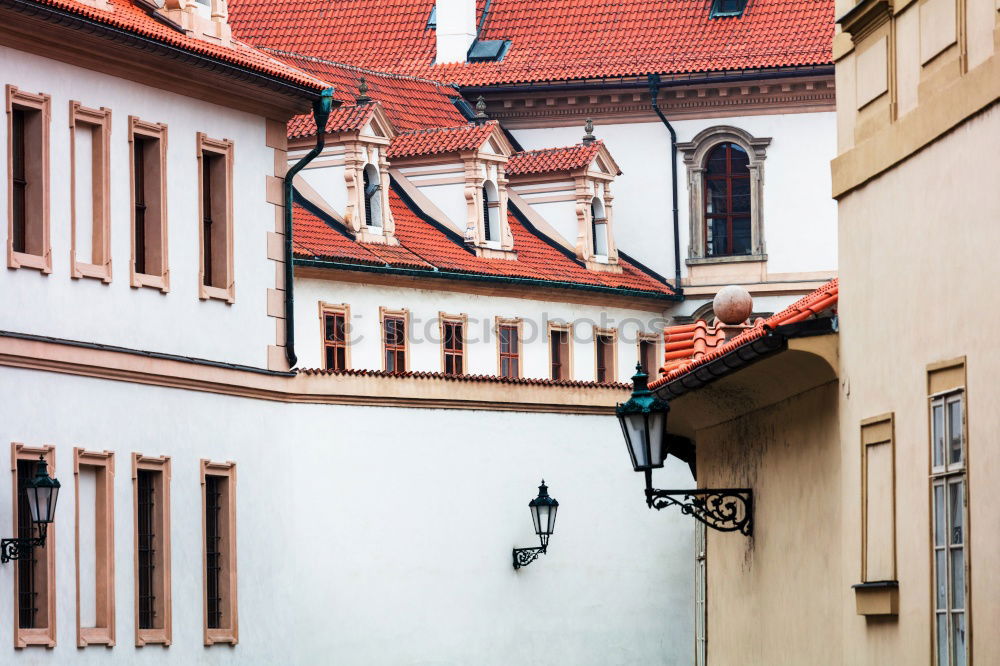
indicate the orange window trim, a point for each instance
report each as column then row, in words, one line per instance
column 333, row 310
column 98, row 123
column 155, row 188
column 228, row 631
column 221, row 236
column 404, row 315
column 44, row 636
column 513, row 356
column 565, row 361
column 605, row 354
column 39, row 254
column 457, row 356
column 103, row 632
column 162, row 634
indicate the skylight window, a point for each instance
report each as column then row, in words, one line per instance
column 724, row 8
column 490, row 50
column 432, row 20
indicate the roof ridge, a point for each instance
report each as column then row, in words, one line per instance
column 357, row 68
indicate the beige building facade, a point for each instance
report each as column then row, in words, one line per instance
column 868, row 437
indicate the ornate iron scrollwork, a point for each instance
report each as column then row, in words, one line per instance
column 525, row 556
column 723, row 509
column 15, row 549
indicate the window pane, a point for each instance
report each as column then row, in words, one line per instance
column 958, row 578
column 955, row 432
column 740, row 160
column 741, row 235
column 942, row 640
column 716, row 165
column 716, row 196
column 341, row 359
column 390, row 364
column 958, row 639
column 741, row 195
column 937, row 421
column 939, row 515
column 940, row 580
column 956, row 513
column 717, row 242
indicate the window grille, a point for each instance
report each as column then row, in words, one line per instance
column 27, row 567
column 213, row 550
column 146, row 542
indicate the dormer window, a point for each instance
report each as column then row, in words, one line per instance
column 491, row 213
column 373, row 203
column 724, row 8
column 598, row 228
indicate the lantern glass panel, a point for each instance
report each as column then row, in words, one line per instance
column 657, row 432
column 542, row 526
column 534, row 518
column 552, row 518
column 635, row 432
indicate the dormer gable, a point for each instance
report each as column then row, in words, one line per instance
column 461, row 170
column 202, row 19
column 570, row 188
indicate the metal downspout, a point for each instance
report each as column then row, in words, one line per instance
column 321, row 113
column 654, row 91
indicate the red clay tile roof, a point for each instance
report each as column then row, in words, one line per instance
column 551, row 40
column 346, row 118
column 411, row 103
column 423, row 245
column 130, row 18
column 697, row 344
column 552, row 159
column 533, row 381
column 435, row 140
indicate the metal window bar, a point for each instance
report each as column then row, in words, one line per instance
column 27, row 567
column 206, row 222
column 335, row 341
column 213, row 550
column 146, row 543
column 139, row 167
column 19, row 180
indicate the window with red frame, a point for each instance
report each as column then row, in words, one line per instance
column 605, row 358
column 509, row 351
column 727, row 201
column 395, row 343
column 453, row 347
column 335, row 340
column 559, row 356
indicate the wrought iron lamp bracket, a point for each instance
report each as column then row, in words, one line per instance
column 525, row 556
column 723, row 509
column 20, row 547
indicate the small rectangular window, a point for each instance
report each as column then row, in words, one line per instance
column 560, row 365
column 215, row 207
column 219, row 521
column 649, row 356
column 878, row 517
column 604, row 344
column 723, row 8
column 95, row 547
column 453, row 343
column 28, row 119
column 90, row 184
column 149, row 204
column 335, row 322
column 151, row 534
column 35, row 575
column 394, row 340
column 509, row 343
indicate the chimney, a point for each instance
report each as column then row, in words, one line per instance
column 456, row 29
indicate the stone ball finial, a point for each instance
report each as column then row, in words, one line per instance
column 732, row 305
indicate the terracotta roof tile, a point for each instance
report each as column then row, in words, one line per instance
column 342, row 119
column 551, row 40
column 130, row 18
column 471, row 378
column 552, row 159
column 435, row 140
column 424, row 246
column 697, row 344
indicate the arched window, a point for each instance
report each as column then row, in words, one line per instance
column 373, row 203
column 599, row 227
column 491, row 212
column 727, row 201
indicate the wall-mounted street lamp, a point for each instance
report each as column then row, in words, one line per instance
column 42, row 492
column 543, row 514
column 644, row 423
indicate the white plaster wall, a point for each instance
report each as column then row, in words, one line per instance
column 370, row 536
column 562, row 216
column 800, row 223
column 176, row 322
column 481, row 348
column 329, row 182
column 450, row 200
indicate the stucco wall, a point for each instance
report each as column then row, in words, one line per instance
column 775, row 598
column 481, row 348
column 799, row 215
column 925, row 233
column 176, row 322
column 371, row 535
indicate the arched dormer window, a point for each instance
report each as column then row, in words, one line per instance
column 598, row 228
column 727, row 205
column 373, row 204
column 725, row 169
column 491, row 212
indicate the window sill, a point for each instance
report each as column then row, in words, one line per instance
column 731, row 259
column 41, row 637
column 42, row 263
column 80, row 269
column 877, row 598
column 217, row 293
column 161, row 282
column 95, row 636
column 152, row 637
column 215, row 636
